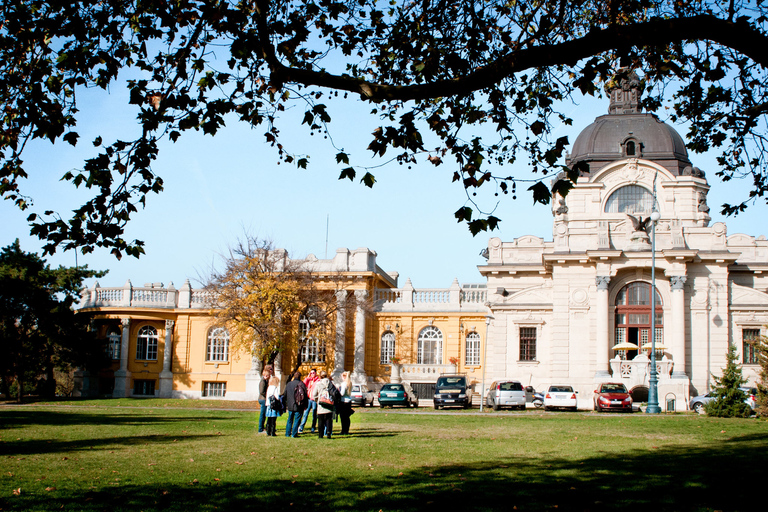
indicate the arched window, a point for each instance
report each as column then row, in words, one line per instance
column 430, row 349
column 312, row 349
column 113, row 345
column 630, row 148
column 387, row 347
column 633, row 319
column 146, row 344
column 630, row 199
column 217, row 349
column 473, row 349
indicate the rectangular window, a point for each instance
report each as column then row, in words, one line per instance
column 527, row 343
column 144, row 387
column 748, row 337
column 387, row 348
column 113, row 346
column 214, row 389
column 473, row 349
column 313, row 351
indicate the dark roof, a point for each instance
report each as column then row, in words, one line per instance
column 627, row 132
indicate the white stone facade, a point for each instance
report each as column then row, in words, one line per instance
column 711, row 287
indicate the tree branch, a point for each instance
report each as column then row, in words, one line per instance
column 738, row 35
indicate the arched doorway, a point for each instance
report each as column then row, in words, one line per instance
column 639, row 394
column 632, row 311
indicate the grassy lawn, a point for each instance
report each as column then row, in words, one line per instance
column 165, row 455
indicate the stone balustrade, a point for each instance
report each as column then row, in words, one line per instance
column 408, row 298
column 148, row 296
column 424, row 372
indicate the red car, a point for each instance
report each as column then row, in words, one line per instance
column 612, row 397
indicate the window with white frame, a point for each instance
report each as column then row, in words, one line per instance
column 146, row 344
column 748, row 350
column 527, row 343
column 430, row 346
column 387, row 347
column 312, row 348
column 113, row 345
column 630, row 199
column 214, row 389
column 217, row 349
column 473, row 349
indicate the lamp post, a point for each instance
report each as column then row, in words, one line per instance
column 485, row 350
column 653, row 391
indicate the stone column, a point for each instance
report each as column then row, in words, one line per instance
column 677, row 343
column 166, row 376
column 341, row 328
column 123, row 376
column 603, row 339
column 253, row 378
column 358, row 375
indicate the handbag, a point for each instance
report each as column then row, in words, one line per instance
column 275, row 404
column 325, row 399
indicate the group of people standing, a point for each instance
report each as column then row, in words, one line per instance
column 316, row 395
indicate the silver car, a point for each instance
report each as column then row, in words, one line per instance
column 506, row 393
column 697, row 403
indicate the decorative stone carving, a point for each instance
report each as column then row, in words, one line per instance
column 602, row 282
column 677, row 282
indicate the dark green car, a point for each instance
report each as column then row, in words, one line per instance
column 397, row 394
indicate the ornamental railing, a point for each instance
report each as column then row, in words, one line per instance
column 408, row 298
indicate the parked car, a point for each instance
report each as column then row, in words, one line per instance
column 506, row 393
column 361, row 396
column 697, row 403
column 612, row 396
column 558, row 397
column 451, row 390
column 398, row 394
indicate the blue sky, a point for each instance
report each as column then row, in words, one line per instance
column 218, row 188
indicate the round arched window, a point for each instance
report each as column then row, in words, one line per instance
column 630, row 199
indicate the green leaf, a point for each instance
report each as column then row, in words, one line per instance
column 348, row 172
column 368, row 180
column 541, row 193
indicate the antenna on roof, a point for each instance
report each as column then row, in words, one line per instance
column 327, row 219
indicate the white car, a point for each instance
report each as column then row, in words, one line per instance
column 558, row 397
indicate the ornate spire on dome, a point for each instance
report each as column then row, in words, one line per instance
column 625, row 90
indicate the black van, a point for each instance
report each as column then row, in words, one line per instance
column 451, row 391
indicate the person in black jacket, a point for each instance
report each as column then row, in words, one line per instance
column 295, row 403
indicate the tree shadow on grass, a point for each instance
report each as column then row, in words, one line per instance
column 710, row 477
column 48, row 446
column 21, row 418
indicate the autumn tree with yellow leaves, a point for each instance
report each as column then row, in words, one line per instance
column 261, row 294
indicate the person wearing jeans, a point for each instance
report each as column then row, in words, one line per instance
column 310, row 381
column 265, row 376
column 295, row 408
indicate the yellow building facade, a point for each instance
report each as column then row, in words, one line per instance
column 163, row 341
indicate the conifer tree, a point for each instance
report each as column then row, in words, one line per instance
column 729, row 399
column 761, row 348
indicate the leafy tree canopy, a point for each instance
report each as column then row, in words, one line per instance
column 430, row 70
column 39, row 330
column 273, row 304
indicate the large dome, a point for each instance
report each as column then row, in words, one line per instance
column 626, row 132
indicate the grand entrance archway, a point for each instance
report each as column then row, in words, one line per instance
column 632, row 311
